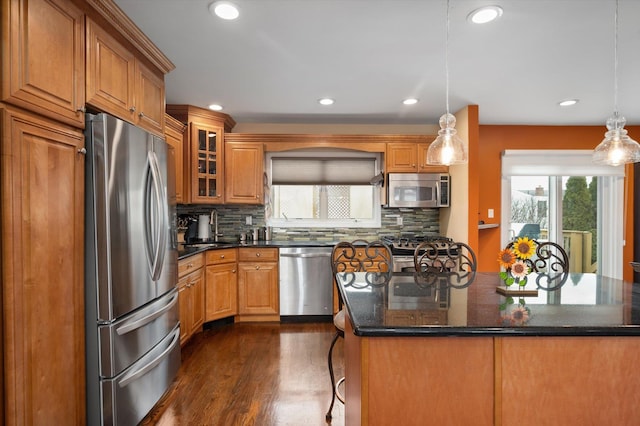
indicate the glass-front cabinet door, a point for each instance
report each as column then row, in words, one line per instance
column 206, row 174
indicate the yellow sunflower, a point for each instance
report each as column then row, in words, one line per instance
column 506, row 258
column 524, row 248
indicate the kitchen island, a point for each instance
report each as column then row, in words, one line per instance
column 414, row 355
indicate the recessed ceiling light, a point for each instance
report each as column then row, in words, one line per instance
column 410, row 101
column 325, row 101
column 224, row 10
column 485, row 14
column 215, row 107
column 568, row 102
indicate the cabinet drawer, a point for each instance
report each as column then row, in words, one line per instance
column 190, row 264
column 258, row 254
column 221, row 256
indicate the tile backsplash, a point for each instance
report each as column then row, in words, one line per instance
column 232, row 222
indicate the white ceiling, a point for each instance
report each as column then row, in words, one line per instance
column 279, row 57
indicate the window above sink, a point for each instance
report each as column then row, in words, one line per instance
column 323, row 189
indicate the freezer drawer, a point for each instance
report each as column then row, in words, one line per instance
column 127, row 398
column 126, row 340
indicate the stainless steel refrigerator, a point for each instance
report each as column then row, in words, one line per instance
column 133, row 333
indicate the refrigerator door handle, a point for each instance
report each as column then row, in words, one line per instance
column 159, row 236
column 140, row 322
column 136, row 374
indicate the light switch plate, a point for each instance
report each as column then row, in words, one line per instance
column 490, row 214
column 249, row 220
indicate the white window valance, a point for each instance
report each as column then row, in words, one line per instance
column 560, row 162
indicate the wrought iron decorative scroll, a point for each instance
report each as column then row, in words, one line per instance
column 551, row 264
column 451, row 262
column 374, row 258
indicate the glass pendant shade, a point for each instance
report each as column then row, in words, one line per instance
column 448, row 148
column 617, row 148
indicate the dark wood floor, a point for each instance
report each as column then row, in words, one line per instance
column 254, row 374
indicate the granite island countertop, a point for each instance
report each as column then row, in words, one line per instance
column 585, row 305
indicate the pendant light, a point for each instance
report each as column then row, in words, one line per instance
column 617, row 148
column 447, row 148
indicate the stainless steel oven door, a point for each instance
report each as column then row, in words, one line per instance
column 403, row 264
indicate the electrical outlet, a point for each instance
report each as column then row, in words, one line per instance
column 399, row 220
column 490, row 214
column 249, row 220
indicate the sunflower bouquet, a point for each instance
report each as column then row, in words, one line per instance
column 513, row 259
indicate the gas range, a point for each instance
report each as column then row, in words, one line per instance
column 405, row 245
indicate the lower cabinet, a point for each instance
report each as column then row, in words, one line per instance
column 221, row 292
column 258, row 295
column 191, row 295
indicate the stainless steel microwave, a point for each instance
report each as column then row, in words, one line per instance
column 418, row 190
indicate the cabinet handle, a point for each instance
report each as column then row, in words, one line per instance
column 257, row 254
column 82, row 151
column 132, row 109
column 257, row 267
column 233, row 271
column 81, row 108
column 141, row 115
column 222, row 256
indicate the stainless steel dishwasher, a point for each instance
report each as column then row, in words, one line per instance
column 306, row 283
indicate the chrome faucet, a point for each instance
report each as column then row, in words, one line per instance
column 213, row 220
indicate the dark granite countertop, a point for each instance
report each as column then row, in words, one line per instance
column 189, row 250
column 585, row 305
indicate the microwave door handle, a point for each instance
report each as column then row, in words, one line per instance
column 437, row 193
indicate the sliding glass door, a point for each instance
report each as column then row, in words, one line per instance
column 561, row 196
column 563, row 209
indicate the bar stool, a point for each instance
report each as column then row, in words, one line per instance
column 356, row 256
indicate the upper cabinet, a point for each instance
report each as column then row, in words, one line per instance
column 203, row 145
column 244, row 171
column 121, row 84
column 410, row 157
column 174, row 134
column 43, row 58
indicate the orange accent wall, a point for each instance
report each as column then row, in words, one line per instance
column 494, row 139
column 473, row 184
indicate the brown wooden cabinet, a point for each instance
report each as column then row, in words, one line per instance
column 120, row 84
column 191, row 295
column 44, row 75
column 203, row 152
column 244, row 171
column 258, row 291
column 42, row 193
column 410, row 157
column 174, row 133
column 43, row 58
column 221, row 293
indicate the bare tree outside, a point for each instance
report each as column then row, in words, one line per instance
column 529, row 210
